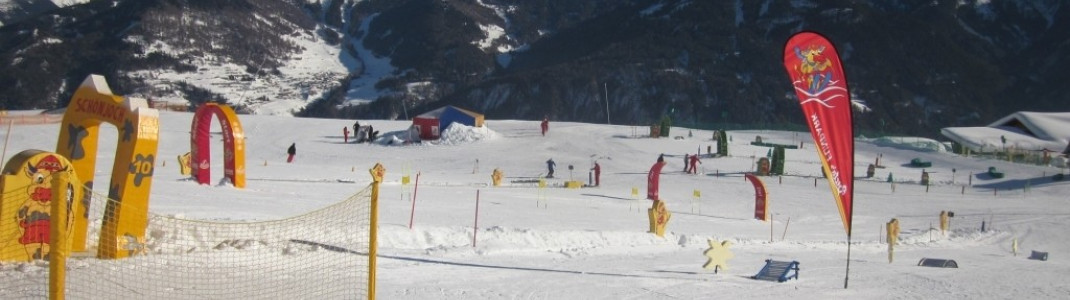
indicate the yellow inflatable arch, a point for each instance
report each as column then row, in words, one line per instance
column 126, row 216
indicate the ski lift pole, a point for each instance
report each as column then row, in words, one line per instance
column 416, row 187
column 475, row 226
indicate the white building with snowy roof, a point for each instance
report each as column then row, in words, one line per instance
column 1030, row 131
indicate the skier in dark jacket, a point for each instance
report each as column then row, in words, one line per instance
column 550, row 167
column 686, row 159
column 292, row 151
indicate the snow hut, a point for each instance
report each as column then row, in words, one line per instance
column 431, row 124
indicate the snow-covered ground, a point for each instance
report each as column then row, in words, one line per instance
column 591, row 243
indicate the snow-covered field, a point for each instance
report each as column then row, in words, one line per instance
column 591, row 243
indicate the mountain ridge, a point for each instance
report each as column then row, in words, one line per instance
column 919, row 65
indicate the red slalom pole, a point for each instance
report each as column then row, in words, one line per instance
column 475, row 227
column 414, row 189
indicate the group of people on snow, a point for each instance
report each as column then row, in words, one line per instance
column 691, row 161
column 366, row 133
column 597, row 169
column 360, row 133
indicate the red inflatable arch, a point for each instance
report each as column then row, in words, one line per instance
column 233, row 145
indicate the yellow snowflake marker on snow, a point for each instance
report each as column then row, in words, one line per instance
column 718, row 255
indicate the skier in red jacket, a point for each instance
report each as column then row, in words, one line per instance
column 545, row 125
column 694, row 164
column 597, row 174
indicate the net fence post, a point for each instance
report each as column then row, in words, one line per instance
column 377, row 173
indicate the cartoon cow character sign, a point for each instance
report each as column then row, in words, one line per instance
column 35, row 214
column 27, row 210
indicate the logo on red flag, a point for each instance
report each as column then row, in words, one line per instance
column 818, row 79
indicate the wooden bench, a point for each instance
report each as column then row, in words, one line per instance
column 1037, row 255
column 938, row 263
column 779, row 271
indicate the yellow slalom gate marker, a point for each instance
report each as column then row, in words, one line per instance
column 496, row 177
column 541, row 194
column 635, row 197
column 696, row 196
column 406, row 179
column 1014, row 246
column 183, row 164
column 893, row 238
column 945, row 222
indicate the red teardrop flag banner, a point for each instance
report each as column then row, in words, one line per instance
column 652, row 181
column 817, row 76
column 761, row 199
